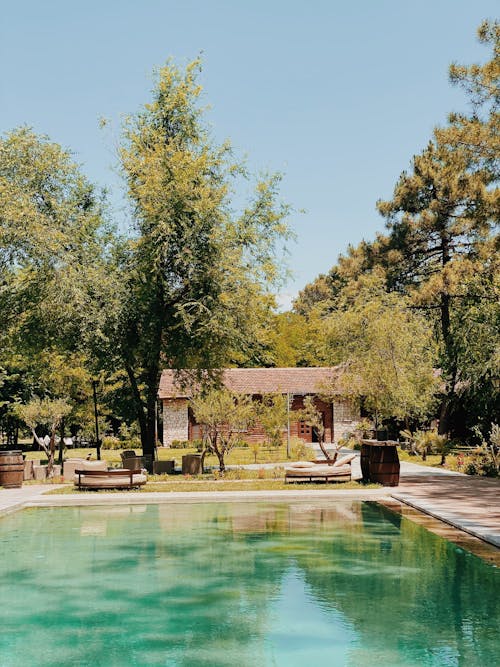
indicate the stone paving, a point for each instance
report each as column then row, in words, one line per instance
column 470, row 504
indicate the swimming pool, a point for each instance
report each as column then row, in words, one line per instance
column 337, row 583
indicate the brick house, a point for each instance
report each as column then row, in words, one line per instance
column 338, row 415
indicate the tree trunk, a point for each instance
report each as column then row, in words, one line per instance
column 51, row 452
column 222, row 465
column 451, row 362
column 140, row 410
column 329, row 460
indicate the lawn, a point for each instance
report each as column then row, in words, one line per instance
column 431, row 460
column 238, row 456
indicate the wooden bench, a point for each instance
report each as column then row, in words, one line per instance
column 109, row 479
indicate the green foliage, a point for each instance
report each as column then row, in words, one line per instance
column 111, row 442
column 482, row 462
column 428, row 442
column 181, row 444
column 224, row 416
column 272, row 413
column 47, row 413
column 495, row 435
column 441, row 252
column 191, row 285
column 187, row 444
column 51, row 237
column 386, row 350
column 485, row 460
column 298, row 449
column 292, row 340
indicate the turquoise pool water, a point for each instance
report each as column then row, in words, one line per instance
column 240, row 585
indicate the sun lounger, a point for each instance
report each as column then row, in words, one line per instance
column 70, row 465
column 111, row 479
column 89, row 476
column 340, row 471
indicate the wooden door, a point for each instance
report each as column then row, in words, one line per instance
column 304, row 432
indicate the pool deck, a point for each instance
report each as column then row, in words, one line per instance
column 470, row 504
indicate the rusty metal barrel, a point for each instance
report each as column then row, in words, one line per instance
column 11, row 469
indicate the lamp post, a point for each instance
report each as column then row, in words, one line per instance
column 288, row 452
column 98, row 442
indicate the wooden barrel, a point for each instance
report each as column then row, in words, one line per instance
column 365, row 462
column 384, row 465
column 11, row 469
column 380, row 463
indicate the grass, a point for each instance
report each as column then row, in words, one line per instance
column 238, row 456
column 432, row 460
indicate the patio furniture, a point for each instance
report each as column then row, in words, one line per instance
column 191, row 464
column 340, row 471
column 70, row 465
column 164, row 467
column 131, row 461
column 95, row 477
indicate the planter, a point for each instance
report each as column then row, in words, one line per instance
column 28, row 470
column 163, row 467
column 40, row 472
column 191, row 464
column 11, row 469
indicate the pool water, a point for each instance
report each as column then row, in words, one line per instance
column 240, row 584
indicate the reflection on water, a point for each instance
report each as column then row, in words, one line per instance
column 242, row 584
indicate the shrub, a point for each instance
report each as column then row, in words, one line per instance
column 111, row 442
column 482, row 463
column 298, row 448
column 180, row 444
column 130, row 436
column 187, row 444
column 428, row 442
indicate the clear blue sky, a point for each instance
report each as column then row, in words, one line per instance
column 336, row 95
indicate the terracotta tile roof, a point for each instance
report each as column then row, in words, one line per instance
column 259, row 381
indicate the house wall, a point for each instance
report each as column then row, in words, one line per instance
column 345, row 416
column 175, row 420
column 179, row 424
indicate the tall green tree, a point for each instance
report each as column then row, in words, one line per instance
column 51, row 238
column 386, row 350
column 444, row 230
column 478, row 132
column 186, row 283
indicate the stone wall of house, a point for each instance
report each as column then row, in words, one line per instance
column 178, row 423
column 345, row 415
column 175, row 420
